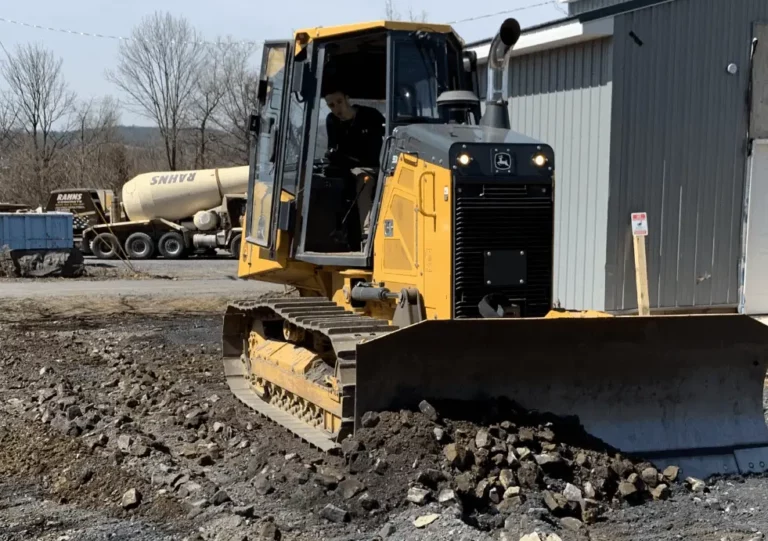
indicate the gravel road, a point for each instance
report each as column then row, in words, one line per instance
column 194, row 268
column 137, row 288
column 157, row 286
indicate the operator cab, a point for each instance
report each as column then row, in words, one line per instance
column 408, row 74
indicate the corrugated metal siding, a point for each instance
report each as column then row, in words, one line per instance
column 563, row 97
column 582, row 6
column 678, row 149
column 36, row 231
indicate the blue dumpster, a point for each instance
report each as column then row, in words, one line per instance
column 47, row 231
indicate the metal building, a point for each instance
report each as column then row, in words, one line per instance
column 658, row 106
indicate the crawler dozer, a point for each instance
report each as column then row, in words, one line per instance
column 449, row 294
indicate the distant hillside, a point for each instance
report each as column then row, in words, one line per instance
column 139, row 135
column 145, row 135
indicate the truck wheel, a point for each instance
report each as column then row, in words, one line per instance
column 172, row 245
column 105, row 246
column 83, row 246
column 140, row 246
column 234, row 246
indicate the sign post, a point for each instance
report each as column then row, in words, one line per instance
column 639, row 232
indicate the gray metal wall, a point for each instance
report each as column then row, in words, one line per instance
column 563, row 97
column 679, row 125
column 581, row 6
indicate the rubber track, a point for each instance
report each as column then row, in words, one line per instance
column 343, row 330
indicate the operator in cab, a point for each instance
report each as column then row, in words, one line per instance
column 355, row 135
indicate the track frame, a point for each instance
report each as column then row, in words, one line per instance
column 294, row 404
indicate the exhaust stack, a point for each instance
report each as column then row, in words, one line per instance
column 496, row 115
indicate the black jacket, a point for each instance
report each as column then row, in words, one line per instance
column 360, row 138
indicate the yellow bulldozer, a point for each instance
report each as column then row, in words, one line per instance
column 448, row 294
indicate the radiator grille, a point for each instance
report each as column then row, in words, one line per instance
column 502, row 216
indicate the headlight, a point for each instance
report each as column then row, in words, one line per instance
column 539, row 160
column 464, row 159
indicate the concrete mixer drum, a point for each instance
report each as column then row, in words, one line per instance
column 180, row 213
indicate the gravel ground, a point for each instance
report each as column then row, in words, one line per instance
column 196, row 268
column 222, row 267
column 151, row 287
column 123, row 428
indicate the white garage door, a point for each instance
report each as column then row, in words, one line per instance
column 756, row 263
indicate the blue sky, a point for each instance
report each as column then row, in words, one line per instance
column 86, row 59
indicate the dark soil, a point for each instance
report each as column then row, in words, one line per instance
column 92, row 409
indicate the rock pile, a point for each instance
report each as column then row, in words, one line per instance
column 500, row 464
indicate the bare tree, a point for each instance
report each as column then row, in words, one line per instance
column 158, row 69
column 41, row 103
column 239, row 100
column 420, row 17
column 391, row 13
column 94, row 133
column 209, row 93
column 8, row 115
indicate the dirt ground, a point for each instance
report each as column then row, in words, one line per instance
column 92, row 408
column 201, row 286
column 116, row 423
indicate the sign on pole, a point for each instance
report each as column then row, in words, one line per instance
column 640, row 224
column 639, row 232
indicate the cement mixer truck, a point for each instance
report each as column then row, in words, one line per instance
column 174, row 214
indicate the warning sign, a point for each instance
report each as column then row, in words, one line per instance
column 640, row 224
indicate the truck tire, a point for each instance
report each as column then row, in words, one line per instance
column 140, row 246
column 172, row 246
column 105, row 246
column 234, row 246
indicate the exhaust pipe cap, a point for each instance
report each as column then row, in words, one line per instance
column 510, row 31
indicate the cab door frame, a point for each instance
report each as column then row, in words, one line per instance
column 267, row 132
column 348, row 260
column 286, row 217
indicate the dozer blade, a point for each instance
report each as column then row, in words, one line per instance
column 683, row 390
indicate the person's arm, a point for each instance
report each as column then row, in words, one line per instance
column 381, row 124
column 376, row 130
column 330, row 130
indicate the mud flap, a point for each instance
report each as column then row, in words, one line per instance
column 684, row 390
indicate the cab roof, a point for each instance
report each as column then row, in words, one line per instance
column 321, row 32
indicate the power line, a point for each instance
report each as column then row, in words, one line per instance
column 505, row 12
column 113, row 37
column 243, row 42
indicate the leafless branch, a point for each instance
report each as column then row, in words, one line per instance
column 8, row 116
column 158, row 71
column 420, row 17
column 239, row 99
column 210, row 90
column 391, row 13
column 41, row 103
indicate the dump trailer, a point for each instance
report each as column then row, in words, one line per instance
column 38, row 245
column 88, row 206
column 449, row 296
column 13, row 207
column 174, row 214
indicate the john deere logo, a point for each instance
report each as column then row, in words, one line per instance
column 503, row 161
